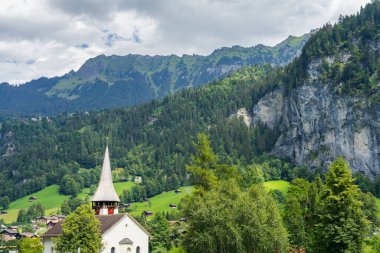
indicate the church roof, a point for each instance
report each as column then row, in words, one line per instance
column 106, row 222
column 105, row 190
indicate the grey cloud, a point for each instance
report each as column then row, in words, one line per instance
column 62, row 34
column 30, row 61
column 111, row 38
column 94, row 8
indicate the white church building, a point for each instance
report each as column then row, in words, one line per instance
column 120, row 232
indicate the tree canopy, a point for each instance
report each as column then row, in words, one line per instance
column 81, row 229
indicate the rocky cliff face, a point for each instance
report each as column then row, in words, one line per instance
column 318, row 124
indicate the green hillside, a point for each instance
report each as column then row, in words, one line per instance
column 161, row 202
column 48, row 198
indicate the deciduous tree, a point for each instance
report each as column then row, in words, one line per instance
column 81, row 229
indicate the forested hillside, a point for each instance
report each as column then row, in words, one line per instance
column 117, row 81
column 153, row 140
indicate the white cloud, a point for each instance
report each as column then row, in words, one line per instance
column 51, row 37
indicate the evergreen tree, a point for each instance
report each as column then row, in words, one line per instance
column 4, row 202
column 300, row 212
column 35, row 210
column 159, row 228
column 342, row 225
column 202, row 164
column 81, row 229
column 22, row 217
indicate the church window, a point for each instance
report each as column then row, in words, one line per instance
column 138, row 250
column 113, row 250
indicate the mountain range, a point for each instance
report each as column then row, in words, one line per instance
column 117, row 81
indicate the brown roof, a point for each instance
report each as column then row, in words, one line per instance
column 106, row 222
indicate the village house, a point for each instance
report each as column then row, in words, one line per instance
column 121, row 233
column 10, row 234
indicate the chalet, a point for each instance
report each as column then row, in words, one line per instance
column 3, row 212
column 120, row 232
column 148, row 213
column 126, row 205
column 41, row 220
column 11, row 233
column 32, row 198
column 178, row 191
column 172, row 205
column 52, row 223
column 58, row 217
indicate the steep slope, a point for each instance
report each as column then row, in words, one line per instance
column 116, row 81
column 330, row 103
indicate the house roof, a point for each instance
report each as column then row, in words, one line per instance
column 106, row 222
column 126, row 241
column 105, row 190
column 9, row 231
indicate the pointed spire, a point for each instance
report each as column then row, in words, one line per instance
column 106, row 190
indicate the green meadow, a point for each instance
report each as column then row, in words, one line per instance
column 161, row 202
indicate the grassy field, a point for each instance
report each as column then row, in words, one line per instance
column 120, row 186
column 160, row 202
column 51, row 200
column 48, row 198
column 281, row 185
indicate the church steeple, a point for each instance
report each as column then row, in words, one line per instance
column 105, row 199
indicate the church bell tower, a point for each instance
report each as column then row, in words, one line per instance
column 105, row 200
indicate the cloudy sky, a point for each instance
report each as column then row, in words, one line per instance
column 51, row 37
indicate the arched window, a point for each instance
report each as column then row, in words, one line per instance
column 113, row 250
column 138, row 250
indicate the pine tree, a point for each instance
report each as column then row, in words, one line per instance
column 342, row 225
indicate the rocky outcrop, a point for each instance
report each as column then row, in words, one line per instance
column 244, row 115
column 317, row 125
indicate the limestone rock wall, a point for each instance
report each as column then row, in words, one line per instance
column 318, row 124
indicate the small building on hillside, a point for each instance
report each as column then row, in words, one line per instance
column 51, row 223
column 120, row 232
column 10, row 234
column 138, row 179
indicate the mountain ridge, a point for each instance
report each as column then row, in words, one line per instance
column 117, row 81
